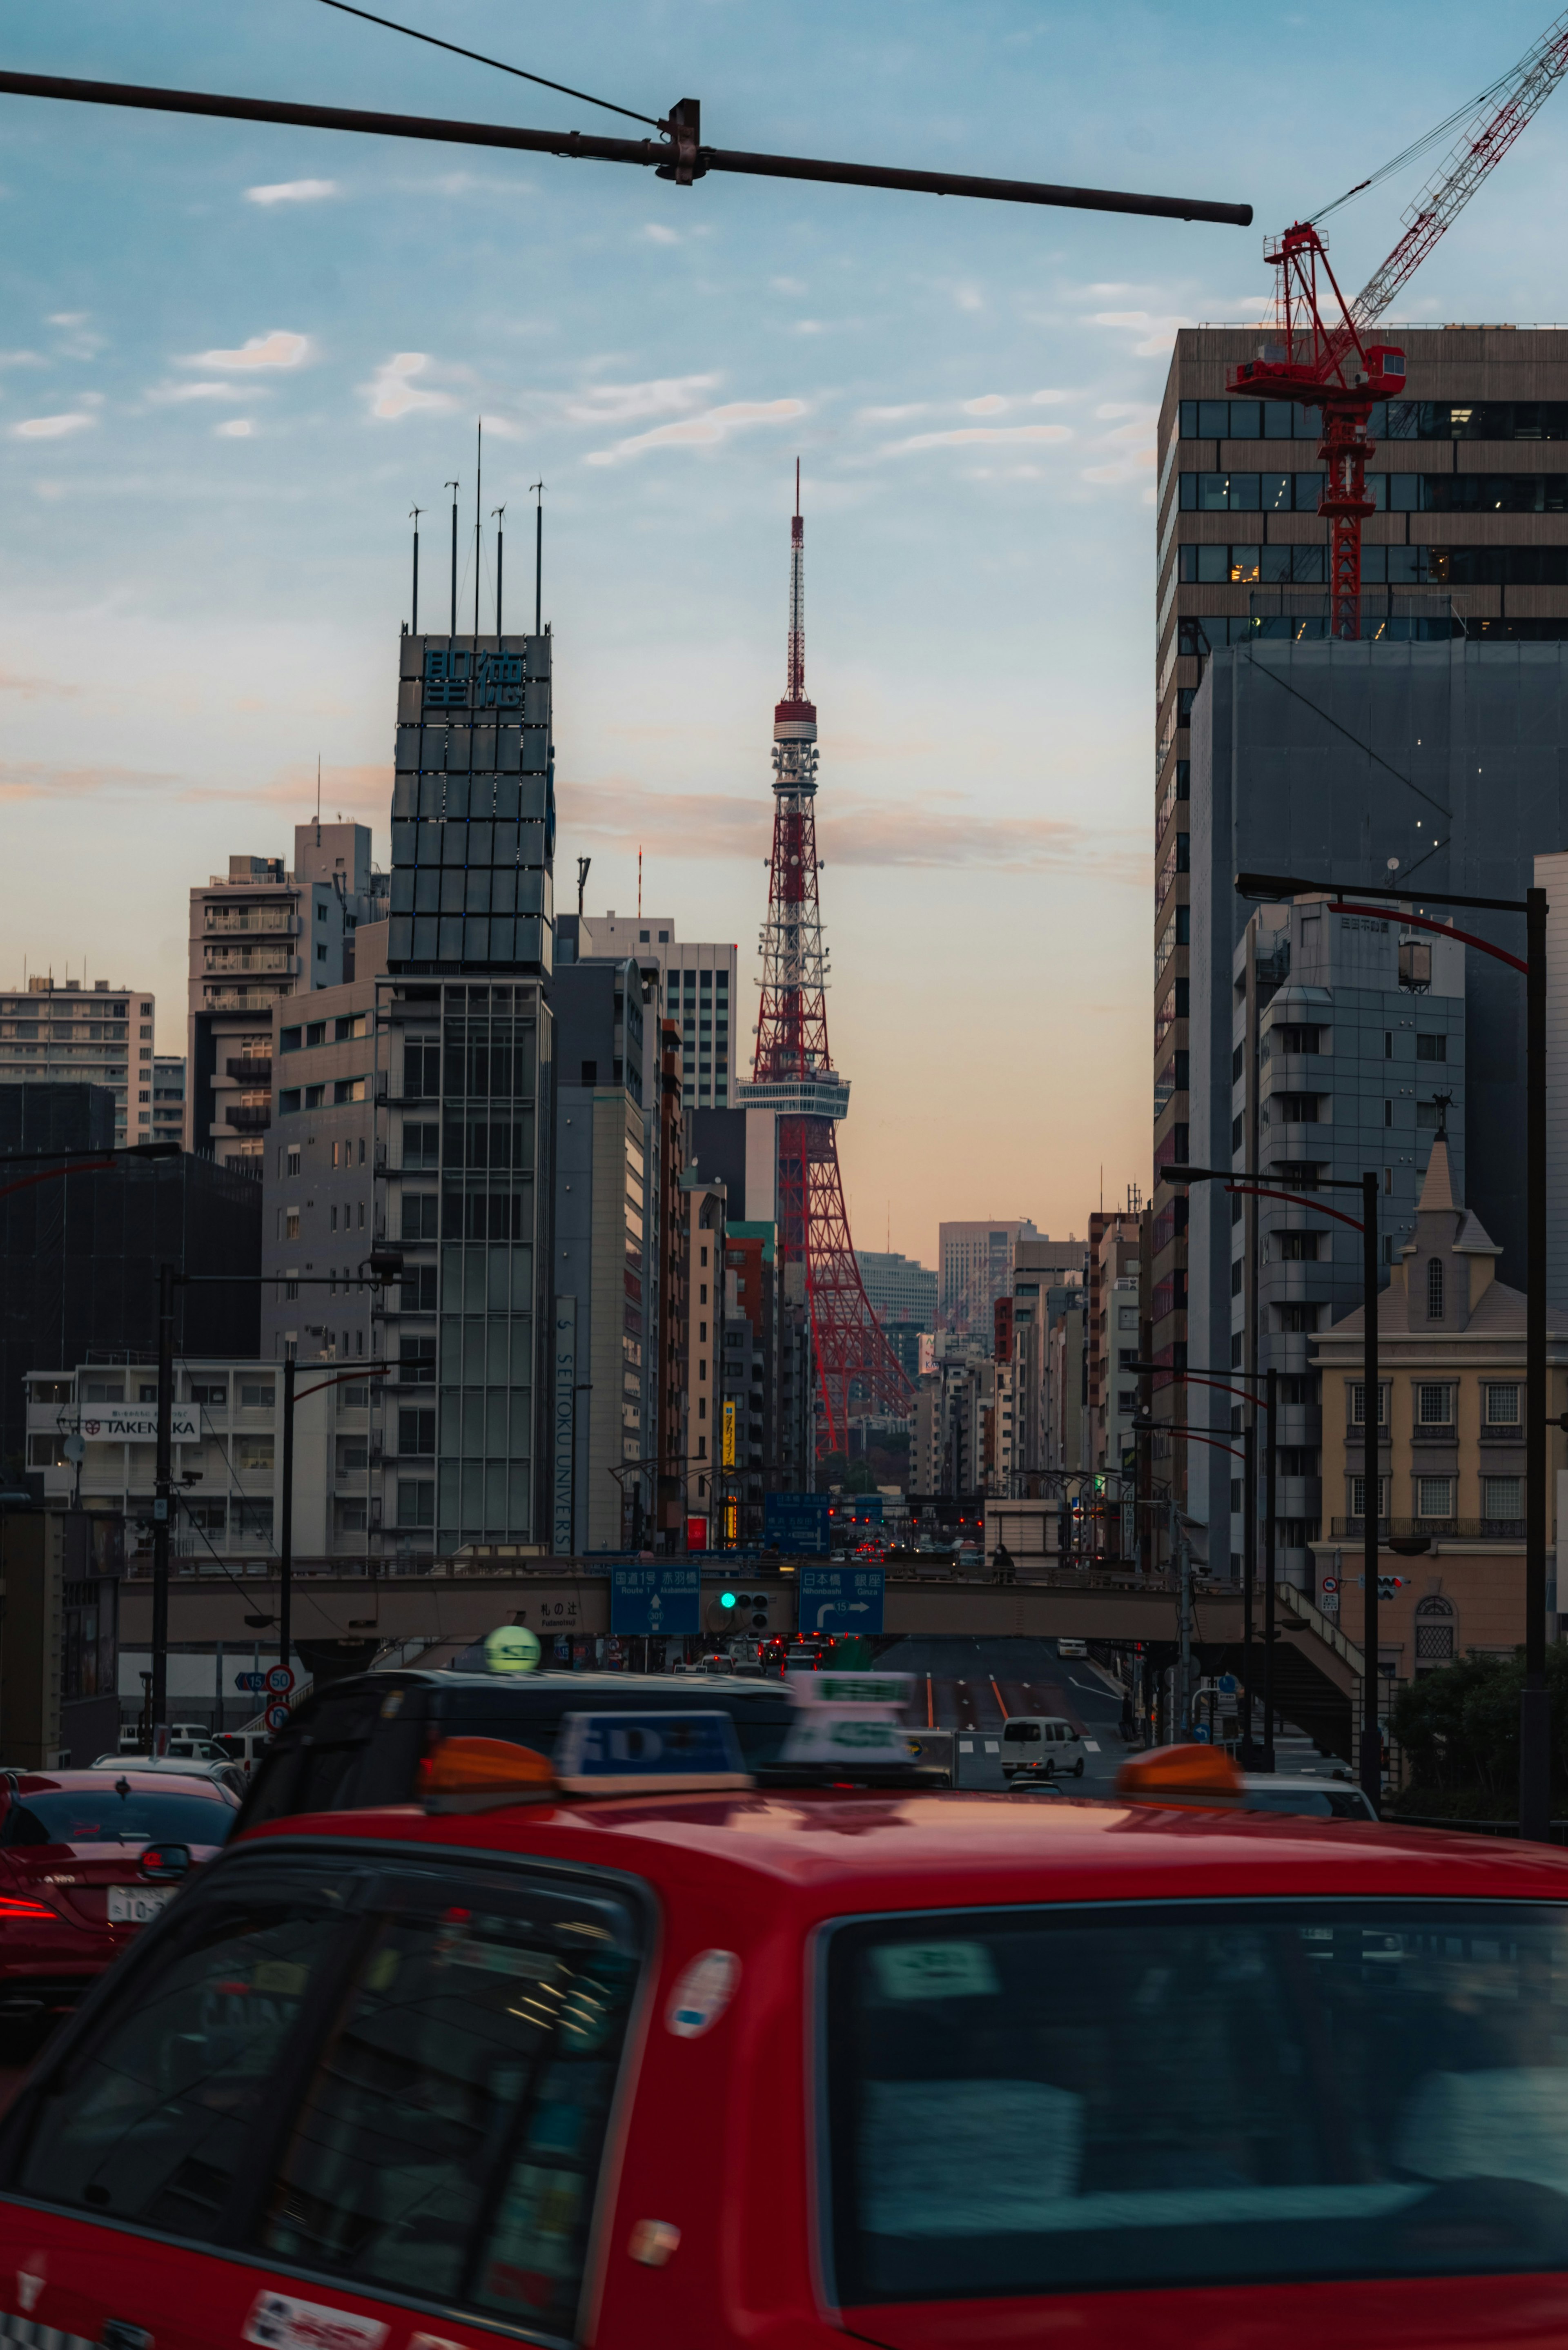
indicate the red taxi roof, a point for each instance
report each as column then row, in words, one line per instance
column 823, row 1853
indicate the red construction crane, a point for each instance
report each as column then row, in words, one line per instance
column 1335, row 368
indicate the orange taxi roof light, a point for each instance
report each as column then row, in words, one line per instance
column 1193, row 1773
column 483, row 1766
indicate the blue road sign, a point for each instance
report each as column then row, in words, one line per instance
column 250, row 1680
column 796, row 1523
column 841, row 1599
column 655, row 1598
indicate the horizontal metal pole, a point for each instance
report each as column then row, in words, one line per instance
column 649, row 152
column 1289, row 885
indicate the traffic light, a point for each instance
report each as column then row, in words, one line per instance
column 733, row 1610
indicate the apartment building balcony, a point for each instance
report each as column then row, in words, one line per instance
column 220, row 921
column 251, row 1072
column 248, row 1118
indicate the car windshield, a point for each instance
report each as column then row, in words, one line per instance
column 99, row 1816
column 1029, row 2102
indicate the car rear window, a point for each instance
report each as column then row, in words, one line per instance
column 1037, row 2101
column 101, row 1816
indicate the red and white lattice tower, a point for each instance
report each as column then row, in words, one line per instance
column 793, row 1076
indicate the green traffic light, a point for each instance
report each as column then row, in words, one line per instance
column 726, row 1599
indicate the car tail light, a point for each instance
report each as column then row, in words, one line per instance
column 14, row 1909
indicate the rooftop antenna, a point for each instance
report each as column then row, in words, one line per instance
column 538, row 558
column 414, row 624
column 639, row 881
column 453, row 487
column 478, row 483
column 318, row 800
column 583, row 865
column 499, row 514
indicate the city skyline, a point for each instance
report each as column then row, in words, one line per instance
column 211, row 455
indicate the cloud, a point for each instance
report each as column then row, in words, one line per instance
column 787, row 285
column 292, row 191
column 29, row 779
column 172, row 392
column 963, row 435
column 864, row 833
column 620, row 404
column 1158, row 333
column 67, row 317
column 278, row 349
column 656, row 233
column 392, row 393
column 53, row 428
column 704, row 431
column 34, row 689
column 238, row 428
column 21, row 358
column 991, row 403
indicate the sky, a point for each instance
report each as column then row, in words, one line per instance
column 232, row 357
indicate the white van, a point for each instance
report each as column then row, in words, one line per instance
column 1041, row 1743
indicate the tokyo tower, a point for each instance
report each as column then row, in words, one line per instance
column 792, row 1073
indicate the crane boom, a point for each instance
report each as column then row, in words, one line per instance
column 1479, row 151
column 1334, row 367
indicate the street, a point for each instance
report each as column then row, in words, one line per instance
column 976, row 1685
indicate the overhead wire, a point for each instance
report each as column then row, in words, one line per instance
column 478, row 57
column 1420, row 147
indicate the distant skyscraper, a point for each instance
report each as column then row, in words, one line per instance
column 977, row 1261
column 698, row 989
column 899, row 1289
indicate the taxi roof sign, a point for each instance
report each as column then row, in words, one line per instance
column 649, row 1753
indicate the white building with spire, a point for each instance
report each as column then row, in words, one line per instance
column 1450, row 1453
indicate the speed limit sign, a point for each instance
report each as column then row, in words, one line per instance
column 277, row 1716
column 281, row 1678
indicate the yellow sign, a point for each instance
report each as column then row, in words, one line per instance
column 728, row 1456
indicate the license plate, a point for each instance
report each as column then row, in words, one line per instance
column 135, row 1904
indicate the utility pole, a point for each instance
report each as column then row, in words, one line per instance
column 163, row 1508
column 285, row 1540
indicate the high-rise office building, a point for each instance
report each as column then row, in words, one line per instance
column 699, row 987
column 67, row 1034
column 1347, row 1053
column 605, row 1256
column 1470, row 480
column 977, row 1261
column 260, row 935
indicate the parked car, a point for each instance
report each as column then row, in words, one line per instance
column 73, row 1889
column 221, row 1771
column 1068, row 1648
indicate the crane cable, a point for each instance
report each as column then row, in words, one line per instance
column 478, row 57
column 1422, row 146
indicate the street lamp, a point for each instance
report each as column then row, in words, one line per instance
column 384, row 1265
column 1247, row 1184
column 1534, row 1706
column 1205, row 1377
column 1184, row 1565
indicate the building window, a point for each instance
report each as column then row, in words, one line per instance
column 1431, row 1048
column 1433, row 1497
column 1358, row 1496
column 1434, row 1289
column 1434, row 1630
column 291, row 1224
column 1502, row 1497
column 416, row 1501
column 1503, row 1404
column 1358, row 1403
column 1434, row 1404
